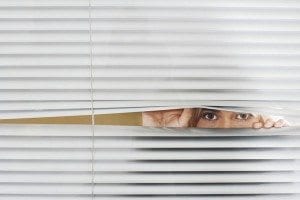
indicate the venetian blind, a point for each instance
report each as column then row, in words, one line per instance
column 54, row 162
column 130, row 55
column 147, row 54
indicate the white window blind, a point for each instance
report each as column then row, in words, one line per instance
column 147, row 54
column 138, row 55
column 54, row 162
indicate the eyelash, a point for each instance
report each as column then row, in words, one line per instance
column 240, row 118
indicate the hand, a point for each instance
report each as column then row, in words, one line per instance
column 168, row 118
column 270, row 121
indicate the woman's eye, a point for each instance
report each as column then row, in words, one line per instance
column 210, row 116
column 243, row 116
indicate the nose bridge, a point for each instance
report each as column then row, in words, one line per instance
column 226, row 122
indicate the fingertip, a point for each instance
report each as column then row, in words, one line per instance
column 286, row 123
column 257, row 125
column 279, row 123
column 269, row 123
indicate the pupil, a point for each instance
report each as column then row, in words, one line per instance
column 210, row 116
column 244, row 116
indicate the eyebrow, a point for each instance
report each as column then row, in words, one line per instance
column 211, row 110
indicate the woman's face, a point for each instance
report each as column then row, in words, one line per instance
column 225, row 119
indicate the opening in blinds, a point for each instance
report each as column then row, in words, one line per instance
column 137, row 55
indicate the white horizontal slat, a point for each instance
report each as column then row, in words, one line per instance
column 161, row 25
column 190, row 189
column 47, row 12
column 197, row 178
column 87, row 197
column 197, row 155
column 45, row 71
column 198, row 189
column 41, row 83
column 57, row 154
column 70, row 24
column 46, row 197
column 218, row 61
column 192, row 3
column 34, row 3
column 82, row 71
column 127, row 166
column 128, row 154
column 144, row 189
column 274, row 197
column 23, row 95
column 44, row 36
column 164, row 39
column 82, row 177
column 195, row 95
column 140, row 50
column 144, row 12
column 84, row 142
column 125, row 197
column 44, row 49
column 45, row 130
column 155, row 38
column 78, row 95
column 48, row 113
column 148, row 84
column 181, row 51
column 25, row 60
column 125, row 131
column 198, row 166
column 49, row 166
column 194, row 13
column 45, row 177
column 45, row 189
column 47, row 105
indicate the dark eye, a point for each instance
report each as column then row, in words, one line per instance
column 209, row 116
column 243, row 116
